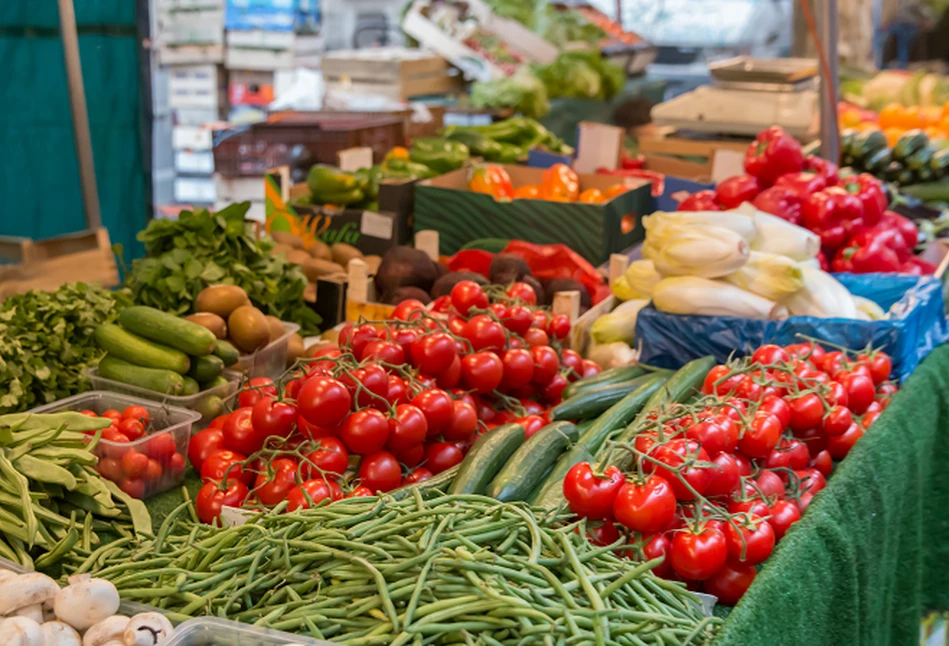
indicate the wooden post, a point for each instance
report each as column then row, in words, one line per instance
column 567, row 303
column 427, row 241
column 618, row 264
column 358, row 290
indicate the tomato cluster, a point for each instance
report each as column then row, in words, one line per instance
column 714, row 485
column 400, row 401
column 145, row 467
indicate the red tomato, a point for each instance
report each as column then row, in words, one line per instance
column 823, row 463
column 761, row 436
column 440, row 456
column 645, row 507
column 482, row 371
column 559, row 326
column 590, row 368
column 601, row 533
column 407, row 429
column 134, row 464
column 546, row 364
column 807, row 411
column 860, row 391
column 412, row 456
column 311, row 492
column 203, row 444
column 887, row 388
column 358, row 337
column 718, row 382
column 467, row 294
column 769, row 484
column 88, row 412
column 730, row 583
column 788, row 454
column 380, row 471
column 160, row 446
column 368, row 386
column 784, row 513
column 868, row 418
column 365, row 431
column 839, row 445
column 573, row 362
column 437, row 406
column 223, row 464
column 385, row 351
column 329, row 460
column 749, row 543
column 777, row 407
column 134, row 487
column 531, row 424
column 239, row 433
column 808, row 351
column 139, row 413
column 433, row 353
column 255, row 389
column 274, row 418
column 518, row 319
column 770, row 354
column 833, row 362
column 880, row 365
column 553, row 391
column 153, row 471
column 361, row 492
column 218, row 422
column 112, row 414
column 518, row 367
column 398, row 392
column 812, row 480
column 464, row 422
column 452, row 376
column 535, row 337
column 313, row 432
column 523, row 292
column 484, row 333
column 837, row 420
column 753, row 506
column 272, row 489
column 716, row 434
column 404, row 337
column 672, row 457
column 212, row 497
column 724, row 478
column 697, row 556
column 408, row 310
column 324, row 401
column 748, row 389
column 744, row 464
column 659, row 545
column 590, row 495
column 419, row 474
column 131, row 428
column 176, row 464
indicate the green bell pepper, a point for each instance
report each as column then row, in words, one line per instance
column 478, row 144
column 328, row 179
column 440, row 155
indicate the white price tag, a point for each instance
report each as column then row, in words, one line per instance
column 727, row 163
column 352, row 159
column 598, row 146
column 376, row 225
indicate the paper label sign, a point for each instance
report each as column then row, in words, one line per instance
column 352, row 159
column 598, row 146
column 727, row 163
column 375, row 225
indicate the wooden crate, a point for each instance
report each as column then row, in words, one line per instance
column 48, row 264
column 396, row 73
column 663, row 149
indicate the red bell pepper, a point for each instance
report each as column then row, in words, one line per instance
column 772, row 154
column 867, row 252
column 918, row 267
column 869, row 190
column 833, row 214
column 628, row 163
column 826, row 169
column 906, row 228
column 780, row 201
column 804, row 183
column 733, row 191
column 701, row 201
column 822, row 259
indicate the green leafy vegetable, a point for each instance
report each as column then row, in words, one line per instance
column 522, row 91
column 46, row 342
column 199, row 248
column 582, row 74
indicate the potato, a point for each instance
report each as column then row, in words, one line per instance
column 343, row 253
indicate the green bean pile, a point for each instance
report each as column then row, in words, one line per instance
column 53, row 502
column 453, row 569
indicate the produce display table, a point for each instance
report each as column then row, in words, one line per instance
column 871, row 554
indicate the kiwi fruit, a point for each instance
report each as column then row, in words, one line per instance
column 321, row 250
column 317, row 267
column 211, row 321
column 221, row 299
column 343, row 253
column 295, row 348
column 249, row 329
column 288, row 239
column 276, row 327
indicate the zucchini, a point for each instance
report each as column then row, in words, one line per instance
column 439, row 481
column 620, row 413
column 205, row 369
column 892, row 171
column 847, row 137
column 531, row 462
column 611, row 376
column 910, row 143
column 866, row 143
column 191, row 387
column 549, row 495
column 226, row 353
column 920, row 159
column 157, row 379
column 906, row 178
column 168, row 329
column 940, row 162
column 925, row 174
column 124, row 345
column 486, row 458
column 592, row 402
column 879, row 160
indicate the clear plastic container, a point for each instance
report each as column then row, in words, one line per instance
column 270, row 361
column 208, row 403
column 165, row 441
column 212, row 631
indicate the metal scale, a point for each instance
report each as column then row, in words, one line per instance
column 748, row 95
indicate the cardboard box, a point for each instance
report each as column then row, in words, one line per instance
column 245, row 58
column 190, row 54
column 199, row 27
column 197, row 162
column 396, row 73
column 191, row 138
column 445, row 204
column 195, row 86
column 250, row 88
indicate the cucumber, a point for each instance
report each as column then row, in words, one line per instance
column 549, row 495
column 866, row 143
column 226, row 353
column 531, row 462
column 157, row 379
column 124, row 345
column 162, row 327
column 920, row 159
column 439, row 481
column 878, row 161
column 909, row 143
column 621, row 413
column 214, row 383
column 190, row 388
column 205, row 369
column 486, row 458
column 611, row 376
column 592, row 402
column 940, row 163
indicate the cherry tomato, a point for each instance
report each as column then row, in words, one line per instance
column 535, row 337
column 176, row 464
column 725, row 385
column 812, row 480
column 464, row 422
column 328, row 460
column 744, row 464
column 419, row 474
column 880, row 365
column 358, row 337
column 368, row 386
column 784, row 513
column 160, row 446
column 203, row 444
column 546, row 364
column 467, row 294
column 590, row 495
column 573, row 362
column 837, row 420
column 112, row 414
column 523, row 292
column 324, row 401
column 239, row 433
column 748, row 389
column 807, row 411
column 823, row 463
column 311, row 492
column 407, row 429
column 412, row 456
column 361, row 492
column 724, row 478
column 440, row 456
column 671, row 457
column 716, row 434
column 385, row 351
column 134, row 464
column 380, row 471
column 887, row 388
column 590, row 368
column 518, row 319
column 518, row 367
column 531, row 424
column 730, row 583
column 839, row 445
column 659, row 545
column 211, row 498
column 433, row 353
column 274, row 418
column 437, row 407
column 365, row 431
column 398, row 392
column 484, row 333
column 313, row 432
column 558, row 326
column 860, row 391
column 645, row 507
column 601, row 533
column 255, row 389
column 553, row 391
column 869, row 418
column 131, row 428
column 218, row 422
column 808, row 351
column 452, row 376
column 271, row 490
column 752, row 506
column 769, row 484
column 408, row 310
column 749, row 543
column 135, row 412
column 770, row 354
column 88, row 412
column 777, row 407
column 698, row 555
column 134, row 487
column 482, row 371
column 404, row 337
column 221, row 464
column 153, row 471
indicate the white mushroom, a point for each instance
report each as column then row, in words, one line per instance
column 109, row 629
column 147, row 629
column 56, row 633
column 49, row 614
column 6, row 575
column 20, row 631
column 25, row 590
column 34, row 612
column 86, row 601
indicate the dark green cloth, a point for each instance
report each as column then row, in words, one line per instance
column 872, row 552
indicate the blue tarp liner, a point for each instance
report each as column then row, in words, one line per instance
column 917, row 324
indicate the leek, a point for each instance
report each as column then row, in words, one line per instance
column 694, row 295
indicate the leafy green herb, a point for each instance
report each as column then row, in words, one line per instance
column 46, row 342
column 199, row 248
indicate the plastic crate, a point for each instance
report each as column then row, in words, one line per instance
column 208, row 403
column 253, row 150
column 271, row 361
column 212, row 631
column 164, row 421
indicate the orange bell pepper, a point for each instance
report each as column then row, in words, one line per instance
column 560, row 183
column 527, row 192
column 493, row 181
column 592, row 196
column 616, row 189
column 398, row 152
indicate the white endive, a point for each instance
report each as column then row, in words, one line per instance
column 769, row 275
column 870, row 308
column 661, row 226
column 814, row 263
column 618, row 325
column 622, row 290
column 641, row 276
column 693, row 295
column 781, row 237
column 707, row 252
column 822, row 296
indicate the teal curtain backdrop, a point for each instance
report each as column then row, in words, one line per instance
column 40, row 193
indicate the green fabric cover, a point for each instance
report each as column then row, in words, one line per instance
column 872, row 552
